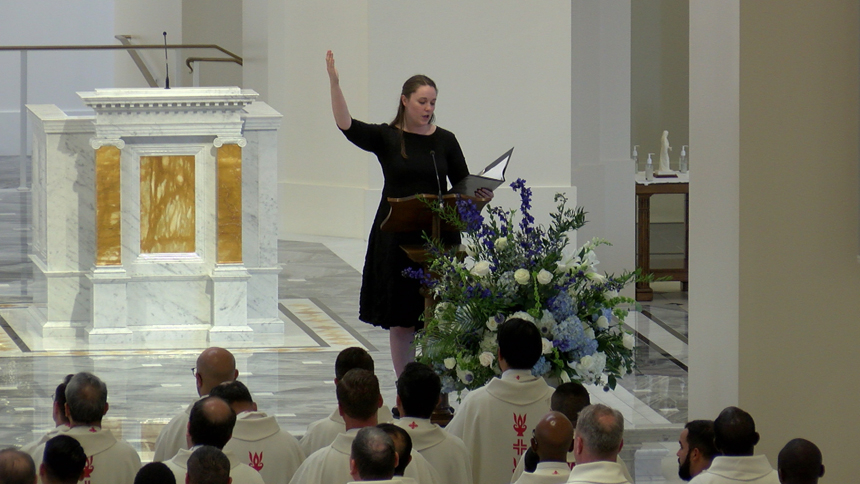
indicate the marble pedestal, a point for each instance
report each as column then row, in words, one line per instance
column 157, row 217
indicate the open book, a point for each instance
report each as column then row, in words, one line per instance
column 490, row 177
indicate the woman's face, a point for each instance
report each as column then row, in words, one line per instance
column 419, row 106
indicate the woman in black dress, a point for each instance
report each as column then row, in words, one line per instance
column 411, row 150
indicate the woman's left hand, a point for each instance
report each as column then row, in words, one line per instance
column 484, row 193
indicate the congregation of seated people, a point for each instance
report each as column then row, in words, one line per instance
column 515, row 429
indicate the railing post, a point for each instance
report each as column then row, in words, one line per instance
column 195, row 77
column 22, row 177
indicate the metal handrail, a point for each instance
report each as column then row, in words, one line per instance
column 24, row 49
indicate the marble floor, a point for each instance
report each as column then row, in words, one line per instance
column 290, row 376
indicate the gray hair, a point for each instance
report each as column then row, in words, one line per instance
column 600, row 435
column 86, row 396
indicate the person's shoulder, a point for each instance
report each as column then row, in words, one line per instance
column 443, row 133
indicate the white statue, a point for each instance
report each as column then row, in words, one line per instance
column 664, row 154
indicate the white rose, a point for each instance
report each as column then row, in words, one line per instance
column 481, row 269
column 546, row 347
column 522, row 276
column 492, row 325
column 611, row 294
column 450, row 363
column 585, row 365
column 589, row 333
column 628, row 341
column 486, row 358
column 544, row 277
column 602, row 322
column 560, row 268
column 501, row 243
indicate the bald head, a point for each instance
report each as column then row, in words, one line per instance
column 214, row 366
column 211, row 422
column 16, row 467
column 553, row 437
column 799, row 462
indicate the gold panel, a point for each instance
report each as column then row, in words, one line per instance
column 167, row 204
column 229, row 204
column 108, row 218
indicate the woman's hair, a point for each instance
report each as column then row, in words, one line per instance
column 409, row 87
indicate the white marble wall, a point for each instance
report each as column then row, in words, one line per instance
column 186, row 296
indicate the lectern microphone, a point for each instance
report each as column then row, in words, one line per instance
column 166, row 64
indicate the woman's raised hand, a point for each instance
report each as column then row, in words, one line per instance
column 332, row 70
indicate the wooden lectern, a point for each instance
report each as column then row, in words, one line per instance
column 414, row 214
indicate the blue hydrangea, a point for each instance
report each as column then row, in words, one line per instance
column 448, row 384
column 541, row 367
column 561, row 306
column 570, row 338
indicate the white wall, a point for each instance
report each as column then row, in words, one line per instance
column 145, row 22
column 52, row 22
column 504, row 75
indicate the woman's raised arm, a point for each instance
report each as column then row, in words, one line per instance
column 338, row 102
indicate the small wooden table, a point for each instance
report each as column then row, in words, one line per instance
column 644, row 190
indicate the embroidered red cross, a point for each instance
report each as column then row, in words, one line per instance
column 88, row 468
column 520, row 446
column 413, row 425
column 518, row 377
column 555, row 473
column 93, row 430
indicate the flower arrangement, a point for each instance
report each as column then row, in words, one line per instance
column 523, row 271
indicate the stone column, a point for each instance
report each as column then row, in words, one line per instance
column 229, row 277
column 108, row 278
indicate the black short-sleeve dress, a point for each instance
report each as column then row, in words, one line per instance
column 387, row 298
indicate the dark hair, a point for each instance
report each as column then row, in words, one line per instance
column 800, row 461
column 374, row 454
column 155, row 473
column 734, row 432
column 700, row 435
column 409, row 87
column 208, row 465
column 601, row 437
column 402, row 445
column 64, row 459
column 519, row 343
column 16, row 467
column 358, row 394
column 207, row 427
column 60, row 397
column 419, row 388
column 350, row 358
column 86, row 396
column 232, row 392
column 570, row 398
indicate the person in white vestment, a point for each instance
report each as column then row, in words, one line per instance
column 735, row 437
column 63, row 461
column 598, row 439
column 800, row 462
column 322, row 432
column 109, row 460
column 214, row 366
column 358, row 400
column 418, row 394
column 17, row 466
column 208, row 465
column 553, row 439
column 569, row 399
column 493, row 420
column 58, row 415
column 372, row 457
column 258, row 440
column 697, row 448
column 211, row 423
column 408, row 455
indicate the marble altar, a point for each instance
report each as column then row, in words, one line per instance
column 156, row 218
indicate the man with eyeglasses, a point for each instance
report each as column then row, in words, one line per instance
column 214, row 366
